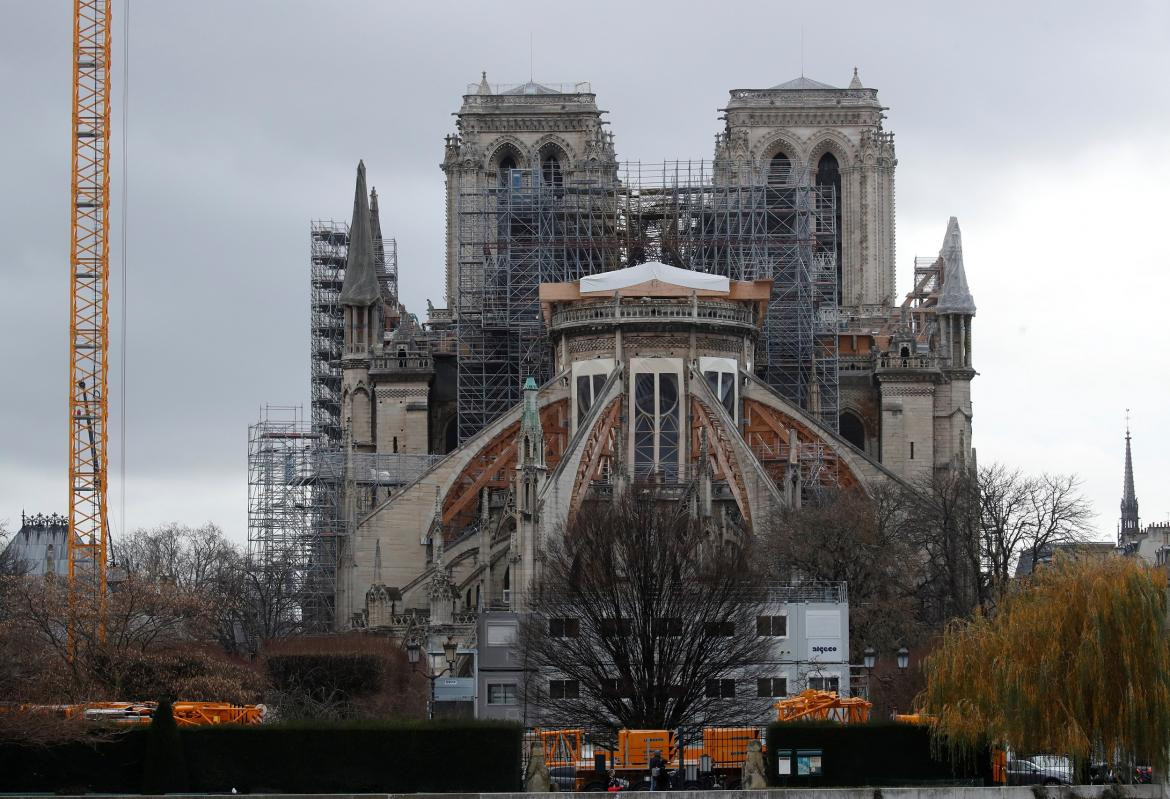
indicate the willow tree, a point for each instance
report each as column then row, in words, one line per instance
column 1075, row 661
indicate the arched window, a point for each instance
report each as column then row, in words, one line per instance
column 852, row 429
column 780, row 170
column 506, row 170
column 829, row 177
column 550, row 170
column 450, row 436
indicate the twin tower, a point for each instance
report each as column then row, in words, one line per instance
column 899, row 372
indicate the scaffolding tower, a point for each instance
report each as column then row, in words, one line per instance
column 293, row 511
column 304, row 495
column 530, row 226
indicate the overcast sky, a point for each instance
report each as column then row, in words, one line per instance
column 1041, row 125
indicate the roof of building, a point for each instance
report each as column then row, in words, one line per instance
column 654, row 271
column 955, row 297
column 531, row 87
column 801, row 83
column 361, row 277
column 40, row 546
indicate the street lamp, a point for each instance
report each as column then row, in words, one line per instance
column 870, row 657
column 450, row 652
column 903, row 657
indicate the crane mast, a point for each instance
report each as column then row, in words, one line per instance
column 89, row 268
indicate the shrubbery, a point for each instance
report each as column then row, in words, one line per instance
column 880, row 753
column 349, row 757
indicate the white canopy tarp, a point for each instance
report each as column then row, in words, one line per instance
column 644, row 273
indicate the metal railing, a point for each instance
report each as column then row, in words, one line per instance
column 652, row 311
column 894, row 361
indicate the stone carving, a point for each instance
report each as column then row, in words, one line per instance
column 754, row 775
column 536, row 779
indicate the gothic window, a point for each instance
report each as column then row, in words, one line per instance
column 550, row 171
column 588, row 392
column 656, row 424
column 852, row 429
column 552, row 165
column 722, row 385
column 780, row 170
column 509, row 174
column 829, row 190
column 782, row 220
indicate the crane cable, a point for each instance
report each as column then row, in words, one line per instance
column 124, row 282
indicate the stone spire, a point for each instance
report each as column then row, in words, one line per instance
column 361, row 279
column 483, row 84
column 856, row 82
column 1130, row 526
column 531, row 432
column 955, row 296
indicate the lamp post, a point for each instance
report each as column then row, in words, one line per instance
column 869, row 658
column 450, row 652
column 903, row 657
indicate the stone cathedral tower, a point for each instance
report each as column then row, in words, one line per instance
column 807, row 130
column 556, row 130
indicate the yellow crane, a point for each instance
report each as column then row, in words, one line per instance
column 89, row 273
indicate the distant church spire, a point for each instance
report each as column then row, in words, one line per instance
column 1129, row 504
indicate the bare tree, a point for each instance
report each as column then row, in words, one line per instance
column 86, row 649
column 1025, row 516
column 189, row 556
column 250, row 600
column 942, row 524
column 639, row 611
column 1004, row 497
column 861, row 540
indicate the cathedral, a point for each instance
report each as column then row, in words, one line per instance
column 732, row 335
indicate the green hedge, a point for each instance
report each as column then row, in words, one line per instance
column 880, row 753
column 354, row 757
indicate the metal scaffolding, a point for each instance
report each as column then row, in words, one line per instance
column 304, row 495
column 328, row 249
column 293, row 512
column 529, row 227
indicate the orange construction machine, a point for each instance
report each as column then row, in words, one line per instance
column 187, row 714
column 714, row 762
column 823, row 706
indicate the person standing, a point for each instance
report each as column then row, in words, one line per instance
column 658, row 780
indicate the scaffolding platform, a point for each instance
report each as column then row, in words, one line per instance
column 523, row 229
